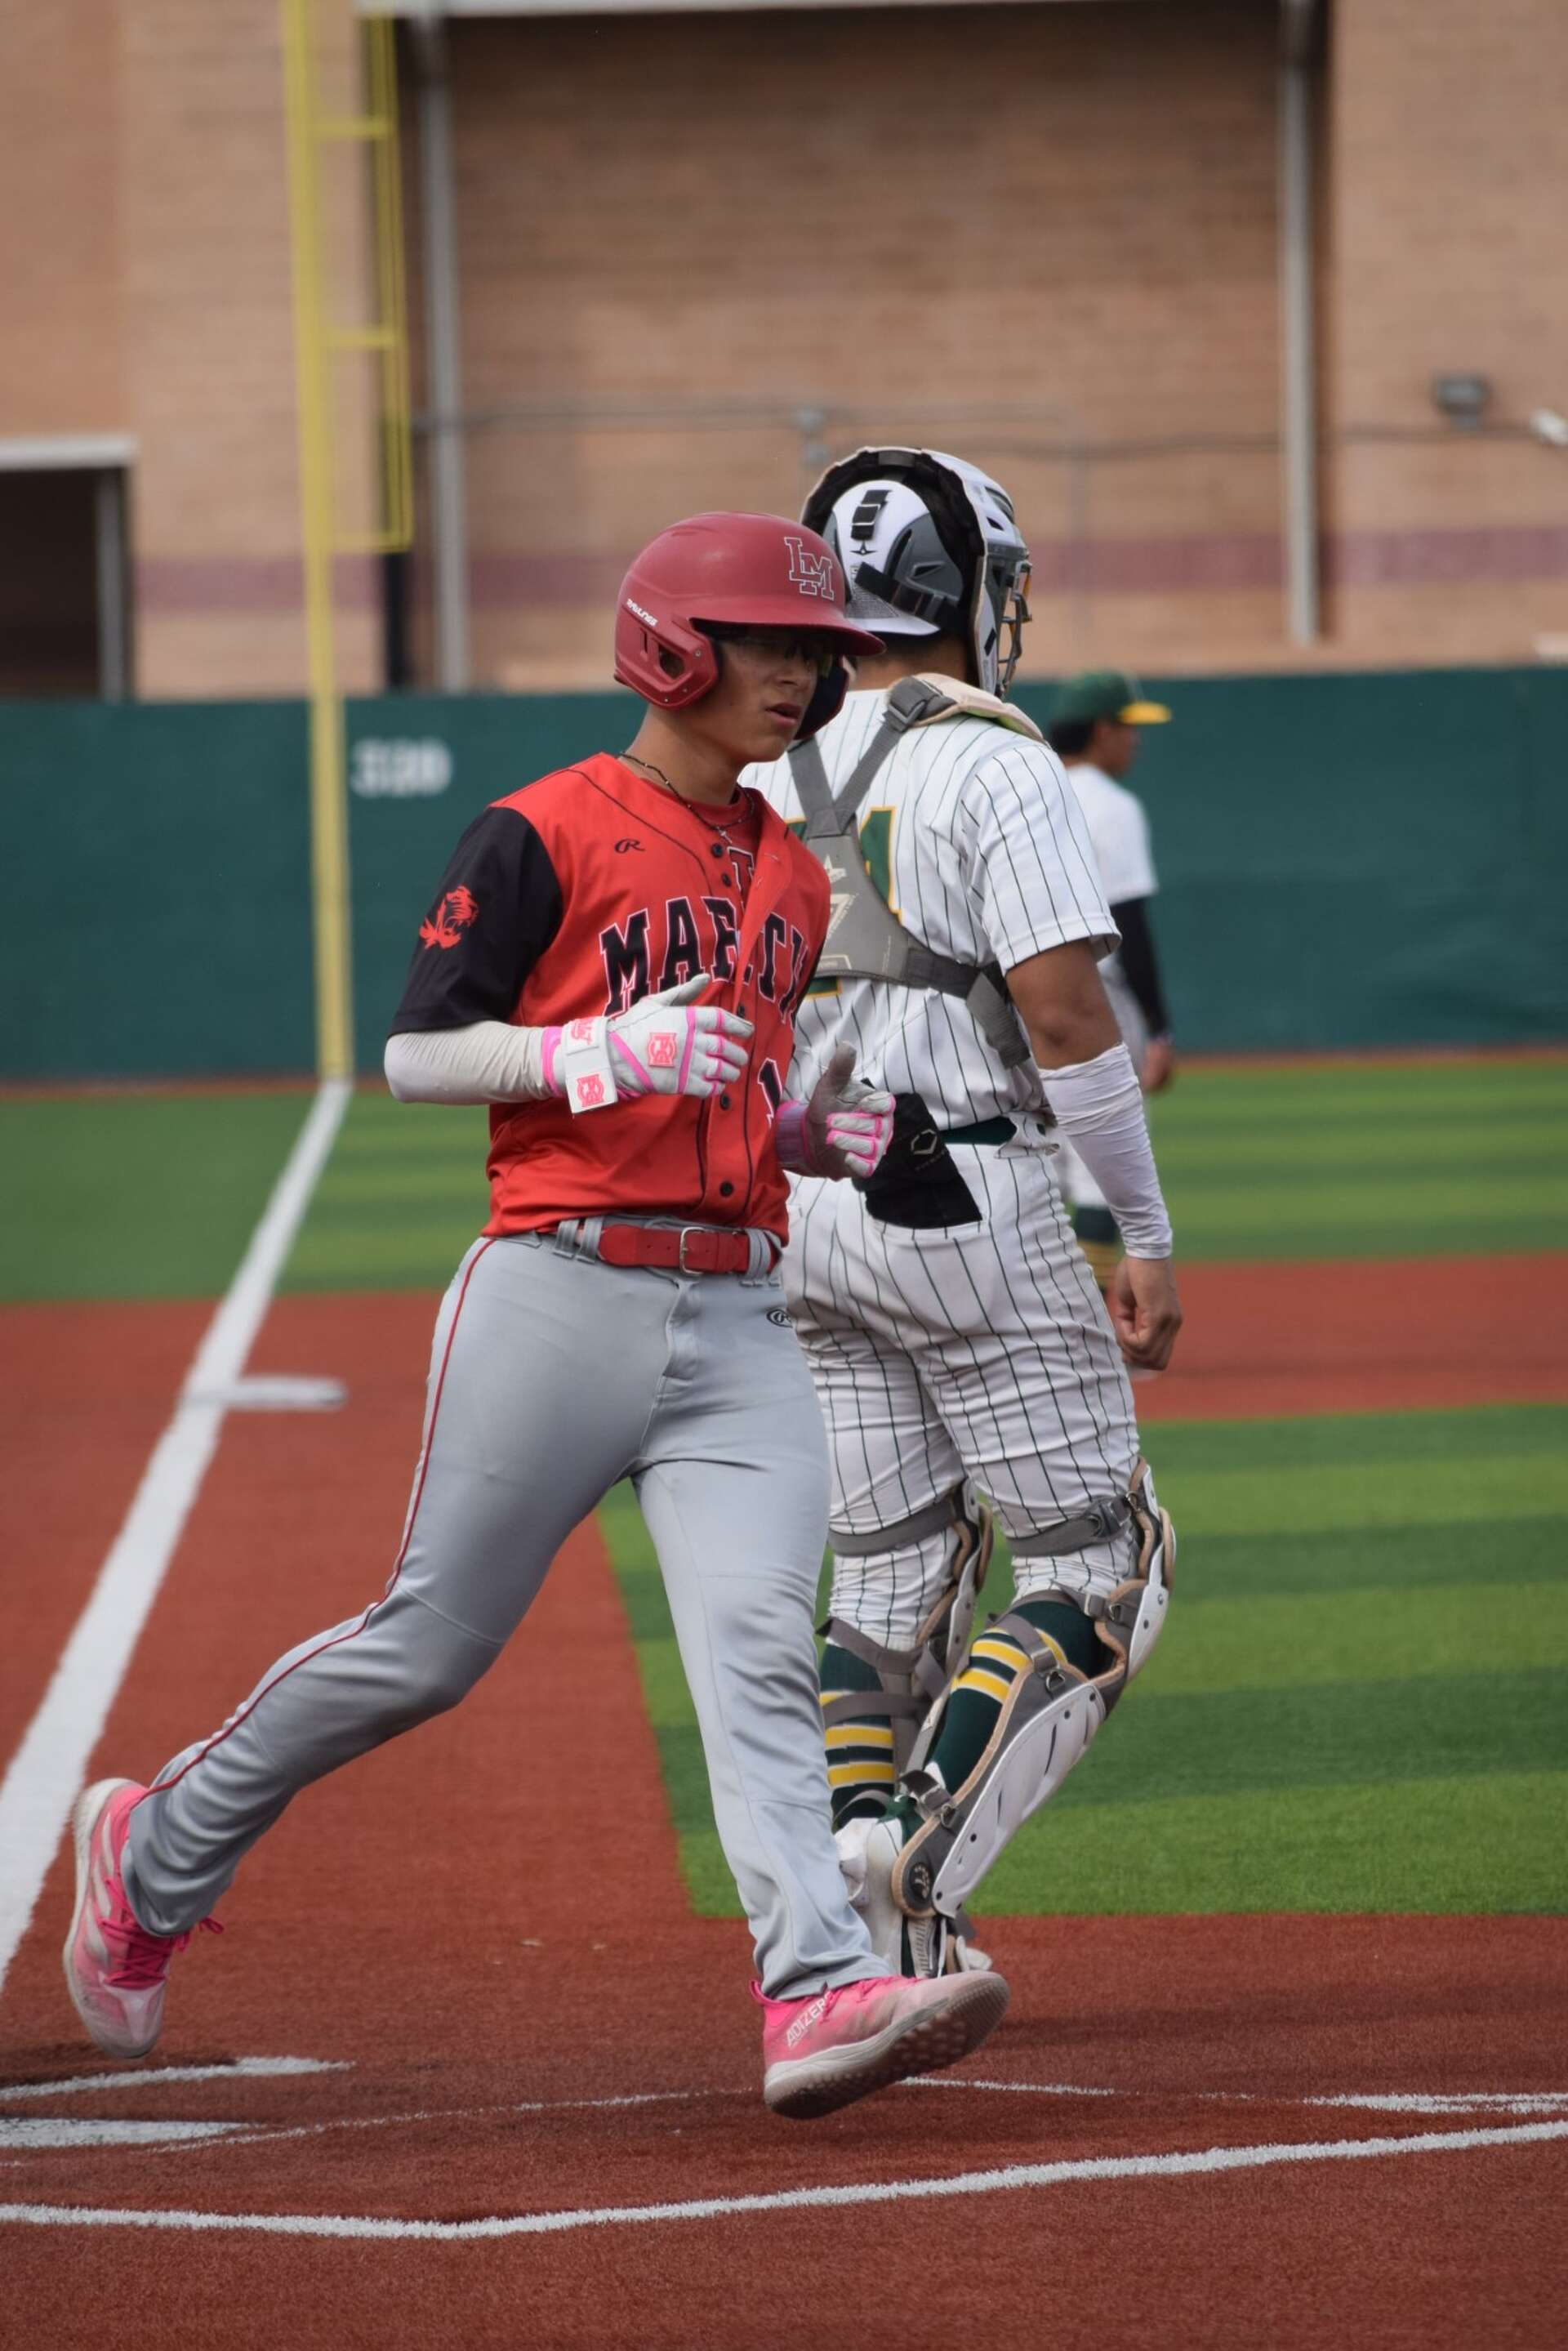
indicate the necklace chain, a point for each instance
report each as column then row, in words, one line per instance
column 718, row 823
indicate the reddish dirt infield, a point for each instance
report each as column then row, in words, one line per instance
column 482, row 1928
column 1396, row 1334
column 87, row 1390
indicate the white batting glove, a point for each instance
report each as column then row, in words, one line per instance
column 844, row 1129
column 667, row 1044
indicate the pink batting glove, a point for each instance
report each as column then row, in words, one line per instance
column 843, row 1131
column 667, row 1044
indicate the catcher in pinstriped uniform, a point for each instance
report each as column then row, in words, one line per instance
column 958, row 1342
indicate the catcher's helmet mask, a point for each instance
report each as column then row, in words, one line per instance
column 731, row 573
column 954, row 566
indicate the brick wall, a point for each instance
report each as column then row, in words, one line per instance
column 1447, row 204
column 59, row 229
column 1007, row 229
column 1024, row 231
column 1018, row 230
column 146, row 263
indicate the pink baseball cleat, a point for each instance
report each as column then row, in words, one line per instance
column 827, row 2050
column 116, row 1971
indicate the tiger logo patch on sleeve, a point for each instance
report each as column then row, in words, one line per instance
column 457, row 913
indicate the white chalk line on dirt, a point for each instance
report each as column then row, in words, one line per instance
column 270, row 2134
column 1381, row 2102
column 241, row 2069
column 47, row 1770
column 169, row 2138
column 48, row 2134
column 1007, row 2180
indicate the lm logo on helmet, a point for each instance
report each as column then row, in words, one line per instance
column 812, row 574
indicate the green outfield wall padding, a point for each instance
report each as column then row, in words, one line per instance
column 155, row 915
column 1349, row 860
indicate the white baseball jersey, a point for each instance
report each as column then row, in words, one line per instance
column 979, row 1349
column 980, row 848
column 1118, row 830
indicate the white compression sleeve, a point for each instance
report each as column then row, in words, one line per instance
column 485, row 1064
column 1099, row 1108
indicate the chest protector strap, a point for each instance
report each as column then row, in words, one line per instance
column 865, row 940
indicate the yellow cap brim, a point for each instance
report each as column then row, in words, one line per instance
column 1143, row 714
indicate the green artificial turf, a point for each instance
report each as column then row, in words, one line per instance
column 1357, row 1159
column 1342, row 1161
column 402, row 1198
column 1361, row 1700
column 136, row 1195
column 150, row 1196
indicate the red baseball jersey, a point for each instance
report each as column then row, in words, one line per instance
column 577, row 896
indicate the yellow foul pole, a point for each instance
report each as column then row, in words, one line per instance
column 319, row 341
column 328, row 803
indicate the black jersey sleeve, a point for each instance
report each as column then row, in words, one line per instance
column 1140, row 964
column 498, row 908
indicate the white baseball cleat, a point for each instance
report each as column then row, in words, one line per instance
column 825, row 2052
column 915, row 1946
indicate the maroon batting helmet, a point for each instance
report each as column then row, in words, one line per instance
column 744, row 571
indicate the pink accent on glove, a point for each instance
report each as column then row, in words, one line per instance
column 620, row 1046
column 548, row 1051
column 848, row 1137
column 792, row 1138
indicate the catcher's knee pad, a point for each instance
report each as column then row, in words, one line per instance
column 1130, row 1618
column 910, row 1680
column 1044, row 1725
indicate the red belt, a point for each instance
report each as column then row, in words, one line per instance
column 693, row 1249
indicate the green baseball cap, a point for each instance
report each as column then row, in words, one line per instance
column 1105, row 694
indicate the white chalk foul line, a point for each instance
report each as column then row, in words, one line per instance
column 33, row 2133
column 152, row 2077
column 1379, row 2102
column 269, row 2134
column 48, row 1767
column 1006, row 2180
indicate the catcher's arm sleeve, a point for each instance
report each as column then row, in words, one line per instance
column 1099, row 1108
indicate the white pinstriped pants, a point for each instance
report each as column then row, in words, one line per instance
column 971, row 1350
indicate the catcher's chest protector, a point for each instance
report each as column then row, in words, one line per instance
column 865, row 940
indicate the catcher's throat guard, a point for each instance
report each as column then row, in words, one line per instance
column 1046, row 1723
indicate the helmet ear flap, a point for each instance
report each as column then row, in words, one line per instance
column 672, row 666
column 826, row 702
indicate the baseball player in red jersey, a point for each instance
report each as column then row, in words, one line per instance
column 612, row 963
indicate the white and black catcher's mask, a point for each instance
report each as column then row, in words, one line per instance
column 930, row 547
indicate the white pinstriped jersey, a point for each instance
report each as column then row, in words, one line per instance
column 981, row 849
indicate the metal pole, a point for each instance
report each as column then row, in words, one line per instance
column 109, row 532
column 328, row 795
column 1298, row 357
column 449, row 494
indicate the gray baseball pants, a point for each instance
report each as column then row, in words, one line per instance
column 551, row 1375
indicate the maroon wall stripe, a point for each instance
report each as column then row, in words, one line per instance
column 1219, row 564
column 247, row 584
